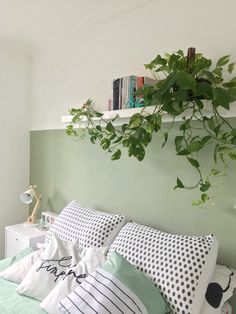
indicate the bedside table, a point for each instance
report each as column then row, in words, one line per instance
column 18, row 237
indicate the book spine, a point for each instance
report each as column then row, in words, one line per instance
column 139, row 99
column 124, row 92
column 132, row 91
column 116, row 84
column 120, row 93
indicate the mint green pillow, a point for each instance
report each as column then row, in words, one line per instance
column 5, row 263
column 141, row 285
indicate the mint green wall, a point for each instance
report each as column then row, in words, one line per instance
column 66, row 169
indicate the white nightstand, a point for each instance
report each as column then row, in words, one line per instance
column 18, row 237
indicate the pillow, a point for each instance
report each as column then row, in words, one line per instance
column 92, row 258
column 18, row 271
column 219, row 290
column 90, row 227
column 116, row 287
column 180, row 266
column 5, row 263
column 56, row 262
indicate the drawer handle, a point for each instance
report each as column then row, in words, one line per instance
column 16, row 239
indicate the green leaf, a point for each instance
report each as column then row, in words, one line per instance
column 194, row 146
column 232, row 94
column 93, row 139
column 223, row 61
column 135, row 121
column 140, row 154
column 232, row 155
column 180, row 52
column 233, row 140
column 215, row 172
column 185, row 80
column 183, row 152
column 110, row 128
column 105, row 143
column 233, row 132
column 231, row 67
column 98, row 114
column 185, row 125
column 221, row 97
column 210, row 76
column 231, row 83
column 206, row 139
column 211, row 123
column 124, row 127
column 167, row 83
column 98, row 127
column 165, row 139
column 112, row 137
column 193, row 162
column 116, row 155
column 205, row 186
column 179, row 184
column 197, row 203
column 118, row 140
column 204, row 197
column 178, row 142
column 159, row 60
column 204, row 90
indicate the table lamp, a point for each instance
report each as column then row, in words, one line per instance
column 27, row 198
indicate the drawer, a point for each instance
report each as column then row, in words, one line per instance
column 14, row 243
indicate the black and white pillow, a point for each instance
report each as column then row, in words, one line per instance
column 219, row 290
column 180, row 266
column 91, row 228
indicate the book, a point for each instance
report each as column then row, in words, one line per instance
column 124, row 89
column 116, row 84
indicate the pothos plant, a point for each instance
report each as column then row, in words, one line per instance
column 186, row 87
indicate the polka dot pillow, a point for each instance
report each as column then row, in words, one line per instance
column 91, row 228
column 180, row 266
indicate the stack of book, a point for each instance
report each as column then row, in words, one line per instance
column 124, row 91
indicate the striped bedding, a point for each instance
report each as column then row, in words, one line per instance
column 102, row 293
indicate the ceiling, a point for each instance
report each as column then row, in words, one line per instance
column 36, row 23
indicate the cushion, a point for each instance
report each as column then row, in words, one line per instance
column 90, row 227
column 180, row 266
column 116, row 287
column 5, row 263
column 91, row 258
column 56, row 262
column 18, row 270
column 219, row 290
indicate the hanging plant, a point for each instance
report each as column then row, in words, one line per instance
column 186, row 87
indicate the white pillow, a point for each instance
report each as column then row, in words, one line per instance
column 219, row 290
column 92, row 258
column 180, row 266
column 18, row 271
column 56, row 262
column 90, row 227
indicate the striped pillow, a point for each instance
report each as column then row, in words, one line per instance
column 116, row 287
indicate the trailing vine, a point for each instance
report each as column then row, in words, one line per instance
column 190, row 87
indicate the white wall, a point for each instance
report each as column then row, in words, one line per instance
column 84, row 64
column 14, row 135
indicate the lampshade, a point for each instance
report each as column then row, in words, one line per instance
column 27, row 198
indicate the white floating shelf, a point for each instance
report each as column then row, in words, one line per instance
column 125, row 114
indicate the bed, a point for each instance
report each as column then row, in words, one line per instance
column 101, row 254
